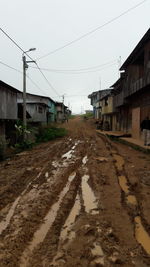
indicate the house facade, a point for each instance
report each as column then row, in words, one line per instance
column 40, row 109
column 8, row 109
column 136, row 85
column 128, row 103
column 62, row 112
column 96, row 103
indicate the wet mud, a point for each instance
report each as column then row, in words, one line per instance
column 78, row 201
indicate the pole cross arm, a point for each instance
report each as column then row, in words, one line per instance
column 31, row 61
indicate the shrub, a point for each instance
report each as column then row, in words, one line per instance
column 46, row 134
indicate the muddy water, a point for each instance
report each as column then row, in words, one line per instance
column 119, row 162
column 84, row 160
column 141, row 235
column 68, row 155
column 4, row 224
column 6, row 221
column 98, row 254
column 66, row 232
column 90, row 202
column 131, row 199
column 49, row 219
column 123, row 184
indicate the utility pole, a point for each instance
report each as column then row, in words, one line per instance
column 63, row 99
column 100, row 83
column 119, row 65
column 25, row 67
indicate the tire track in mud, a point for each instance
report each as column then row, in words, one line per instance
column 61, row 232
column 36, row 178
column 27, row 225
column 131, row 203
column 22, row 169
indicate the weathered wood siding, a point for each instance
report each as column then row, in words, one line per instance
column 8, row 103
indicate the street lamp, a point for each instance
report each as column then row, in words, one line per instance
column 25, row 67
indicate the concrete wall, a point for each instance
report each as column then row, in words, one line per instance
column 8, row 104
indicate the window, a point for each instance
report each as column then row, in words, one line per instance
column 106, row 101
column 40, row 109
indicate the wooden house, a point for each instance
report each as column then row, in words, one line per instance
column 40, row 109
column 134, row 98
column 95, row 102
column 8, row 109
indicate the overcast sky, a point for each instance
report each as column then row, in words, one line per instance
column 50, row 24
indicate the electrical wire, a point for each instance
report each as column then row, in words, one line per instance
column 47, row 79
column 35, row 84
column 92, row 31
column 80, row 72
column 25, row 52
column 77, row 70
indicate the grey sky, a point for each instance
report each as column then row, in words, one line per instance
column 49, row 24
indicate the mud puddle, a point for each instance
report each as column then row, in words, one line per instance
column 4, row 224
column 6, row 221
column 84, row 160
column 90, row 202
column 68, row 155
column 98, row 254
column 131, row 199
column 66, row 233
column 41, row 233
column 123, row 184
column 141, row 235
column 119, row 162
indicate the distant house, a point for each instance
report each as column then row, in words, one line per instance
column 106, row 103
column 95, row 102
column 40, row 109
column 8, row 109
column 61, row 111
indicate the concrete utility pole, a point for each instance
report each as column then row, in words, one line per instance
column 63, row 99
column 100, row 83
column 25, row 67
column 119, row 66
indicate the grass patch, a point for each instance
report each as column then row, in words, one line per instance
column 46, row 133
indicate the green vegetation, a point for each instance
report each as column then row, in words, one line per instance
column 24, row 145
column 72, row 116
column 46, row 133
column 89, row 115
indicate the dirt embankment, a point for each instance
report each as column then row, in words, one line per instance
column 77, row 201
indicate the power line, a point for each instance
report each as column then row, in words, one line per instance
column 92, row 31
column 10, row 67
column 79, row 72
column 74, row 70
column 19, row 47
column 46, row 79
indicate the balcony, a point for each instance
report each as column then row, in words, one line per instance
column 132, row 87
column 107, row 109
column 118, row 100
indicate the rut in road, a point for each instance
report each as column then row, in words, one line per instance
column 73, row 204
column 55, row 211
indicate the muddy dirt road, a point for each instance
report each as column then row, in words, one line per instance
column 77, row 201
